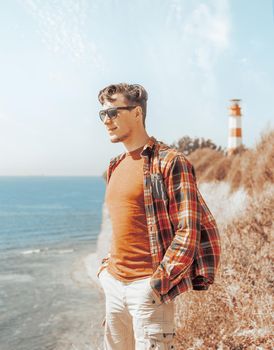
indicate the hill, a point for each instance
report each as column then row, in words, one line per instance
column 236, row 311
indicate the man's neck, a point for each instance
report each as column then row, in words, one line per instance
column 131, row 145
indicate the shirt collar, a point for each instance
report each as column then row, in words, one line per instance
column 148, row 147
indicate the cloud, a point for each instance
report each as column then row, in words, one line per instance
column 175, row 12
column 195, row 37
column 204, row 30
column 62, row 27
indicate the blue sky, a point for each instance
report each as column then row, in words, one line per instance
column 191, row 56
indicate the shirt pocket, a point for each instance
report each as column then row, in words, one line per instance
column 158, row 186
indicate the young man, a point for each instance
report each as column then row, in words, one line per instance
column 164, row 238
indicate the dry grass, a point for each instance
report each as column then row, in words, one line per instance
column 252, row 169
column 236, row 312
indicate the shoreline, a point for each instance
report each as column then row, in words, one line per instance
column 54, row 287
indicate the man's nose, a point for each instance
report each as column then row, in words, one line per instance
column 107, row 120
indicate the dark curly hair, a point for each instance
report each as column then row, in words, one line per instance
column 133, row 93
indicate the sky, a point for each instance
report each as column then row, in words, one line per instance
column 191, row 56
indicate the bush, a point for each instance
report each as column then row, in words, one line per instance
column 187, row 145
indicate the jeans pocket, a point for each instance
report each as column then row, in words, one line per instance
column 159, row 336
column 102, row 275
column 102, row 272
column 155, row 298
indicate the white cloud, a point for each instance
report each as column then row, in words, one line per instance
column 62, row 26
column 194, row 40
column 207, row 28
column 175, row 12
column 203, row 28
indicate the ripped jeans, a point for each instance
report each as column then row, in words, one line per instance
column 136, row 318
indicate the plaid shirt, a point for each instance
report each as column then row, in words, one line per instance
column 184, row 239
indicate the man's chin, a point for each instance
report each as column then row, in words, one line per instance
column 115, row 139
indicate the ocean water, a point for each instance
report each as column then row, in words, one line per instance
column 48, row 225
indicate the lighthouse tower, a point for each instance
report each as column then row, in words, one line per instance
column 235, row 126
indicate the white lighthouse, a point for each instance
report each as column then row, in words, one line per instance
column 235, row 126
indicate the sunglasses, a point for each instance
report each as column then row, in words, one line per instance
column 112, row 112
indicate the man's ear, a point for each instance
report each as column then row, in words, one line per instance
column 139, row 112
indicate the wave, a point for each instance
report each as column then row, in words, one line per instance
column 32, row 251
column 47, row 250
column 16, row 278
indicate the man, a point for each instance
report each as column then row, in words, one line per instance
column 164, row 238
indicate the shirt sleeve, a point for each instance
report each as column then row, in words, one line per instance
column 184, row 211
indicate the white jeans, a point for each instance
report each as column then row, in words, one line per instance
column 136, row 319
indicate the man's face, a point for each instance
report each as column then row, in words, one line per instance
column 121, row 127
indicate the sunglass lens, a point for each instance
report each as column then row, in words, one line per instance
column 112, row 112
column 102, row 115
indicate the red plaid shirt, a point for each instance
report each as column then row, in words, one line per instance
column 184, row 239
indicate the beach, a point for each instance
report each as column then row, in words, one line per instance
column 49, row 302
column 47, row 299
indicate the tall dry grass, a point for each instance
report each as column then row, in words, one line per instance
column 237, row 311
column 250, row 168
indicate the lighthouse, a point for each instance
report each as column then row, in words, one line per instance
column 235, row 126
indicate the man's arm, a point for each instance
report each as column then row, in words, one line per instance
column 107, row 232
column 185, row 215
column 104, row 264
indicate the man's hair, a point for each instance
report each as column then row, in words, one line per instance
column 134, row 94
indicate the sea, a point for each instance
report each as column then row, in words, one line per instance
column 48, row 225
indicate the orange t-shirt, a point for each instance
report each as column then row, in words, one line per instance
column 130, row 257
